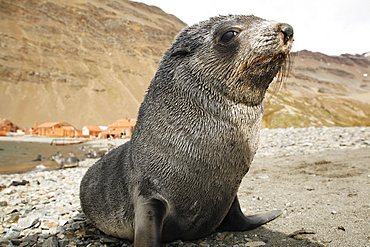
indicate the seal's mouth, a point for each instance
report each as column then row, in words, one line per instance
column 279, row 57
column 280, row 62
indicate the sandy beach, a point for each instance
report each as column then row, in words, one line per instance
column 319, row 177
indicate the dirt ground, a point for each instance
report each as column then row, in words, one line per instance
column 325, row 198
column 327, row 194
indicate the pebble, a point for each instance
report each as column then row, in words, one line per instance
column 42, row 208
column 51, row 242
column 257, row 243
column 285, row 142
column 12, row 233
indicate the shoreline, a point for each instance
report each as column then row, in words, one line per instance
column 42, row 139
column 272, row 142
column 27, row 139
column 18, row 154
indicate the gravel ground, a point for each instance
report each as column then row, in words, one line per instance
column 319, row 177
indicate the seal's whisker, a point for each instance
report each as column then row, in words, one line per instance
column 282, row 76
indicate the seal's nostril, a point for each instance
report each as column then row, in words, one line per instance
column 287, row 30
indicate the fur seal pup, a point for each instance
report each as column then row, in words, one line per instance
column 196, row 135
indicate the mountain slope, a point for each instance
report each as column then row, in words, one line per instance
column 84, row 62
column 322, row 90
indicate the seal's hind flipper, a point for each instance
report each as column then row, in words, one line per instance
column 235, row 220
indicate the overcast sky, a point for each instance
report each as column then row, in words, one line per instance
column 332, row 27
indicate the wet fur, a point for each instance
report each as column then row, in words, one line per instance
column 196, row 135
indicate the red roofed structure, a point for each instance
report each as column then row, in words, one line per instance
column 7, row 126
column 92, row 130
column 56, row 129
column 122, row 128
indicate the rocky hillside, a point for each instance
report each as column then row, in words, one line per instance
column 90, row 62
column 321, row 90
column 79, row 61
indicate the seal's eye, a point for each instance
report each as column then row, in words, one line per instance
column 229, row 36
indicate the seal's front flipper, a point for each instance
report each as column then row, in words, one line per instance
column 149, row 217
column 235, row 220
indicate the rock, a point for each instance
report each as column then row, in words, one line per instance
column 12, row 217
column 16, row 201
column 79, row 217
column 64, row 243
column 341, row 228
column 17, row 183
column 31, row 239
column 109, row 240
column 255, row 243
column 204, row 244
column 308, row 144
column 177, row 243
column 30, row 221
column 309, row 188
column 8, row 191
column 259, row 198
column 13, row 233
column 6, row 243
column 51, row 242
column 62, row 222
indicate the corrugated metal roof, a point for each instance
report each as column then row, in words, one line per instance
column 48, row 124
column 53, row 124
column 124, row 122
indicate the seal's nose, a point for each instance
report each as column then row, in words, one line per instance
column 287, row 31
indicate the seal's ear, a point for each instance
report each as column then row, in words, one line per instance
column 182, row 52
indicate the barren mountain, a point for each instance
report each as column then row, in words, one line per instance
column 90, row 62
column 322, row 90
column 83, row 62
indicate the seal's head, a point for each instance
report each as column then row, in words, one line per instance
column 238, row 55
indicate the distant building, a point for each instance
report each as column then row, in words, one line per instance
column 6, row 126
column 122, row 128
column 56, row 129
column 92, row 131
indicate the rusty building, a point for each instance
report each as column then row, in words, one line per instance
column 56, row 129
column 122, row 128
